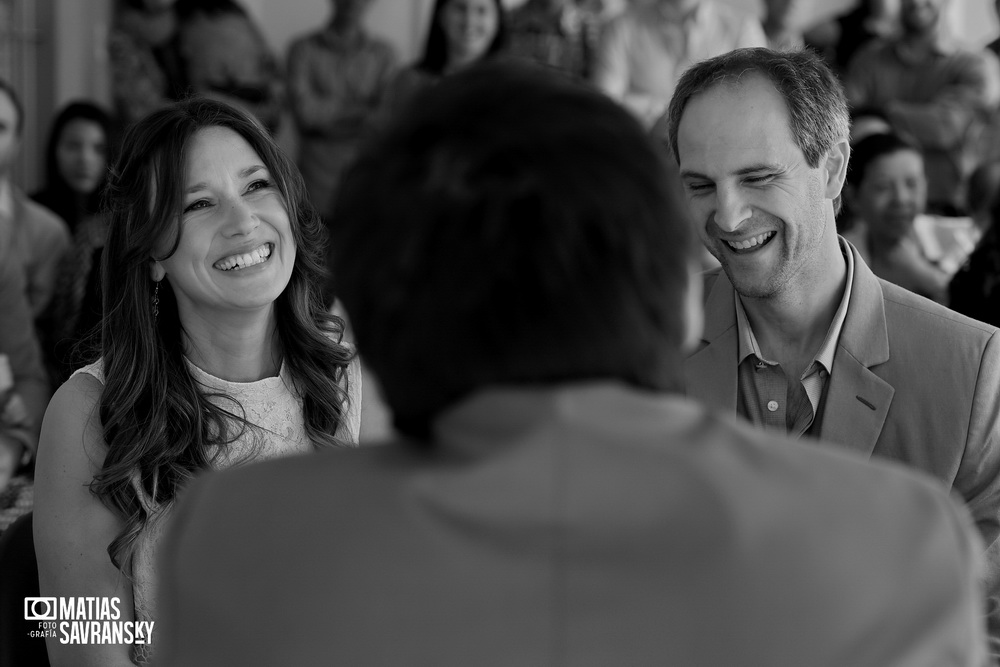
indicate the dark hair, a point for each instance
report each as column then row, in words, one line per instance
column 158, row 425
column 15, row 99
column 870, row 149
column 435, row 56
column 530, row 238
column 57, row 194
column 817, row 107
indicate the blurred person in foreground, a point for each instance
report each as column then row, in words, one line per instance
column 800, row 336
column 524, row 297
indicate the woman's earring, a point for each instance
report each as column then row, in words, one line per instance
column 156, row 300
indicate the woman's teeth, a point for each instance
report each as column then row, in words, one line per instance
column 243, row 260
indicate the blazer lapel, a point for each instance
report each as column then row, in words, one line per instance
column 857, row 399
column 710, row 373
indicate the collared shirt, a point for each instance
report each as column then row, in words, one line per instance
column 642, row 54
column 766, row 397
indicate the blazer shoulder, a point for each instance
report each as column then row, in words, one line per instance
column 913, row 315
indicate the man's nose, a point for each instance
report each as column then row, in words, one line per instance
column 731, row 209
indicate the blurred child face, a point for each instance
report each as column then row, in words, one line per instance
column 892, row 194
column 81, row 155
column 469, row 26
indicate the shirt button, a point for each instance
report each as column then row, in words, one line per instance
column 772, row 405
column 760, row 364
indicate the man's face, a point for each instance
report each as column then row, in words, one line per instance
column 10, row 140
column 891, row 194
column 761, row 210
column 919, row 16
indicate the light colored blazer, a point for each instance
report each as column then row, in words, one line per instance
column 911, row 381
column 586, row 526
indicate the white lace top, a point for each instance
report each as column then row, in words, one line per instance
column 270, row 404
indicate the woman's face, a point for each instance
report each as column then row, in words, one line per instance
column 81, row 155
column 236, row 248
column 469, row 26
column 892, row 194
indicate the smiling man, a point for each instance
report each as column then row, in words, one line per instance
column 800, row 336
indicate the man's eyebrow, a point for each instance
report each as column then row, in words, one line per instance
column 742, row 171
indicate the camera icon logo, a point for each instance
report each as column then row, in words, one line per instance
column 40, row 609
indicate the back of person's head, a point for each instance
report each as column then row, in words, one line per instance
column 510, row 227
column 870, row 149
column 982, row 192
column 817, row 106
column 435, row 55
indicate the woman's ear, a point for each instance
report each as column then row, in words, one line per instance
column 156, row 271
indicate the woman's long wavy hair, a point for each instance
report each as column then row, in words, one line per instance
column 435, row 56
column 160, row 428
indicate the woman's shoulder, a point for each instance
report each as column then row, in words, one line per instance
column 94, row 370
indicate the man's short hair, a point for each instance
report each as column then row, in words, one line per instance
column 817, row 106
column 510, row 227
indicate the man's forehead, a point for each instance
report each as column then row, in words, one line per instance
column 745, row 116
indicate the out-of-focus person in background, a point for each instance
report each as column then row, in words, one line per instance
column 561, row 34
column 76, row 169
column 36, row 237
column 337, row 77
column 933, row 90
column 216, row 349
column 887, row 192
column 461, row 33
column 644, row 50
column 975, row 289
column 164, row 50
column 24, row 392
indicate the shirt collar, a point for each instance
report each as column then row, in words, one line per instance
column 748, row 342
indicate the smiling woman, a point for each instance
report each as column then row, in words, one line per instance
column 217, row 349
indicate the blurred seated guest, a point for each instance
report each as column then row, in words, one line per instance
column 461, row 33
column 216, row 350
column 227, row 58
column 24, row 390
column 31, row 235
column 838, row 39
column 930, row 89
column 165, row 50
column 336, row 80
column 552, row 500
column 560, row 34
column 975, row 289
column 147, row 70
column 644, row 51
column 76, row 169
column 887, row 191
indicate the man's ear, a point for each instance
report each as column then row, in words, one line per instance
column 156, row 271
column 837, row 159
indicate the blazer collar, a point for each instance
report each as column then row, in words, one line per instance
column 857, row 399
